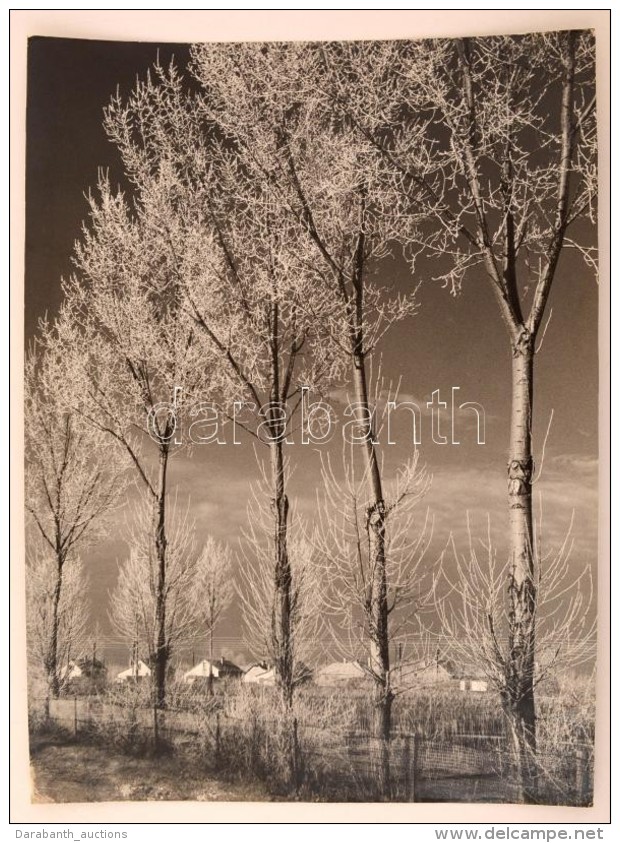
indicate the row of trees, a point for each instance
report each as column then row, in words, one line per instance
column 241, row 264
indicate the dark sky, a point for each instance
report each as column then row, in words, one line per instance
column 452, row 342
column 69, row 84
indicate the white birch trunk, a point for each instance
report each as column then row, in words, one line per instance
column 519, row 700
column 378, row 606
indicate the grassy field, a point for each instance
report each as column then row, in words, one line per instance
column 63, row 771
column 446, row 746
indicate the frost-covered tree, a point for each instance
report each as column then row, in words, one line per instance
column 256, row 593
column 494, row 140
column 345, row 207
column 56, row 612
column 135, row 601
column 134, row 351
column 243, row 286
column 71, row 485
column 213, row 588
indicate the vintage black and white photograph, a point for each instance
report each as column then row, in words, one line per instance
column 311, row 397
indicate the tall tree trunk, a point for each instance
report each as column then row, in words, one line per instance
column 377, row 606
column 282, row 631
column 51, row 660
column 135, row 652
column 519, row 701
column 161, row 647
column 210, row 676
column 281, row 618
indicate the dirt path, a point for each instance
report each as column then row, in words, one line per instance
column 82, row 773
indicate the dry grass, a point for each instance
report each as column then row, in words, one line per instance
column 69, row 772
column 242, row 734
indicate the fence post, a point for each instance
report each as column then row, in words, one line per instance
column 75, row 717
column 46, row 707
column 155, row 727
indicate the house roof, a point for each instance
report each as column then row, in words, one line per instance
column 256, row 668
column 220, row 667
column 227, row 665
column 259, row 673
column 203, row 669
column 142, row 670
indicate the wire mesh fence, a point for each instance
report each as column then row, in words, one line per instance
column 332, row 764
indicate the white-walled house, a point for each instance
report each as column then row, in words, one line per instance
column 221, row 669
column 259, row 674
column 477, row 685
column 71, row 671
column 139, row 671
column 473, row 678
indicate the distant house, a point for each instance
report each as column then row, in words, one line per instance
column 71, row 671
column 139, row 671
column 473, row 679
column 267, row 678
column 478, row 685
column 259, row 674
column 221, row 669
column 338, row 673
column 83, row 670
